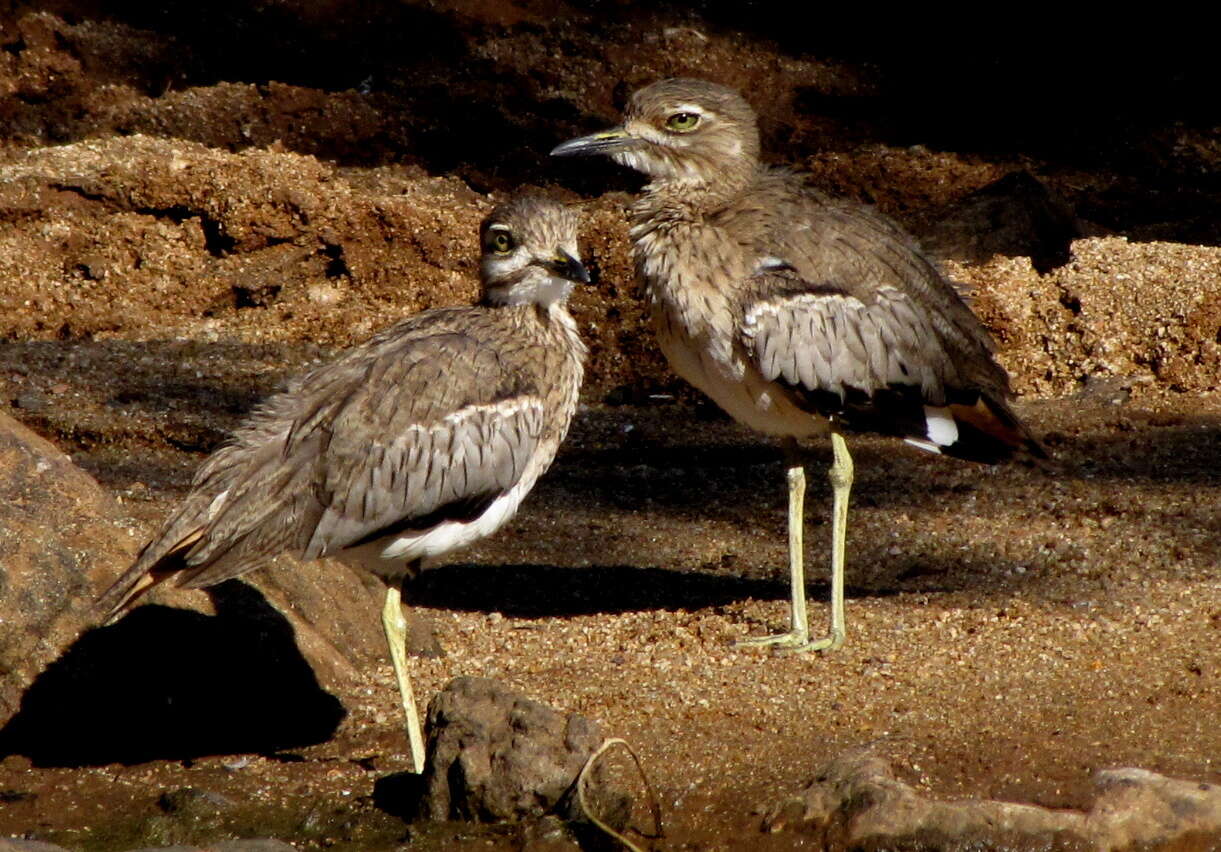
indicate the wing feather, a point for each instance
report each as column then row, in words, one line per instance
column 823, row 339
column 425, row 415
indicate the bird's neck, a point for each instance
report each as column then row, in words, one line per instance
column 543, row 291
column 673, row 199
column 549, row 317
column 554, row 321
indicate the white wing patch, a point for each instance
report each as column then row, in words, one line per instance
column 772, row 264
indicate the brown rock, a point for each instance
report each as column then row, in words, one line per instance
column 1014, row 216
column 16, row 844
column 857, row 802
column 60, row 537
column 1138, row 809
column 148, row 235
column 62, row 540
column 495, row 755
column 256, row 845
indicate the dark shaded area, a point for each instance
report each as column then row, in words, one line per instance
column 1060, row 95
column 1154, row 452
column 399, row 794
column 410, row 62
column 170, row 684
column 193, row 394
column 1018, row 216
column 549, row 591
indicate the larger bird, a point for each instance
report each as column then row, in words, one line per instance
column 419, row 441
column 798, row 314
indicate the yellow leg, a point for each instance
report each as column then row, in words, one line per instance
column 840, row 475
column 797, row 640
column 395, row 626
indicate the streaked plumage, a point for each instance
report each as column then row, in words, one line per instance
column 419, row 441
column 797, row 313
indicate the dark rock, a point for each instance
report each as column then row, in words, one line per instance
column 31, row 401
column 1015, row 216
column 552, row 834
column 302, row 629
column 60, row 538
column 16, row 844
column 230, row 683
column 496, row 755
column 189, row 803
column 225, row 846
column 856, row 802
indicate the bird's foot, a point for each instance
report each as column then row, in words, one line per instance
column 794, row 642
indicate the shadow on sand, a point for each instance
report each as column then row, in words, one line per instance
column 172, row 684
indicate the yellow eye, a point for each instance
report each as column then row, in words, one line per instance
column 501, row 242
column 682, row 122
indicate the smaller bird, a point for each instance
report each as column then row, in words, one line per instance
column 421, row 440
column 797, row 313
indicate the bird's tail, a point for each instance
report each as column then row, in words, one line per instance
column 155, row 564
column 985, row 431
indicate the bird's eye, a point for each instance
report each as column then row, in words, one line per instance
column 683, row 122
column 501, row 242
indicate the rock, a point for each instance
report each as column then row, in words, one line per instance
column 1017, row 216
column 63, row 540
column 61, row 536
column 1139, row 809
column 495, row 755
column 16, row 844
column 856, row 802
column 192, row 804
column 230, row 683
column 225, row 846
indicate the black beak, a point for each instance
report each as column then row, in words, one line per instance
column 568, row 267
column 596, row 143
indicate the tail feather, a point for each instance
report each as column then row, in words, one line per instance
column 152, row 567
column 985, row 431
column 970, row 424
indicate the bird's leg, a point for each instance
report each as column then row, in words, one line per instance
column 798, row 637
column 840, row 475
column 797, row 640
column 395, row 626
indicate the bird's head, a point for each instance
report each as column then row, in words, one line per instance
column 680, row 131
column 530, row 252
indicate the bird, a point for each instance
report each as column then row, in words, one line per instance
column 422, row 439
column 799, row 314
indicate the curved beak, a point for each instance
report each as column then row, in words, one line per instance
column 597, row 143
column 567, row 267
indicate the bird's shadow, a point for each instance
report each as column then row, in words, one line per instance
column 550, row 591
column 173, row 684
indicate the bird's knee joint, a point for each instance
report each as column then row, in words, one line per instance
column 840, row 476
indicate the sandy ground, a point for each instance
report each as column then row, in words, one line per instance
column 1010, row 631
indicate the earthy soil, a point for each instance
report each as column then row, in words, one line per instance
column 196, row 203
